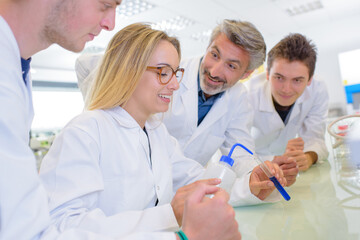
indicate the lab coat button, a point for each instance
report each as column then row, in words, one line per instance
column 157, row 188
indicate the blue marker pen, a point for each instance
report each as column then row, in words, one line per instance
column 266, row 170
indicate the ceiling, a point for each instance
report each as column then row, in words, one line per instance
column 273, row 18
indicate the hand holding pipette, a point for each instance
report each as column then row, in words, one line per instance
column 263, row 172
column 259, row 184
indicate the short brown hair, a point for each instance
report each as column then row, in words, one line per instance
column 294, row 47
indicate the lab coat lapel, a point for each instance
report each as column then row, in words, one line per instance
column 144, row 141
column 160, row 162
column 296, row 111
column 189, row 91
column 217, row 111
column 126, row 120
column 266, row 105
column 294, row 115
column 189, row 99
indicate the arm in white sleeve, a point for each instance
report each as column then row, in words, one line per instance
column 184, row 170
column 73, row 178
column 242, row 196
column 23, row 200
column 24, row 211
column 313, row 129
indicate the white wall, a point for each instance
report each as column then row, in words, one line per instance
column 332, row 39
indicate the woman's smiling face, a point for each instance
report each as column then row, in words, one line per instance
column 150, row 96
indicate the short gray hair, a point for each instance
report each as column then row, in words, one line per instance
column 246, row 36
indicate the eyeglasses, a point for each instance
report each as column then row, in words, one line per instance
column 166, row 73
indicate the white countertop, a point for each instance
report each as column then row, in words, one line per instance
column 325, row 204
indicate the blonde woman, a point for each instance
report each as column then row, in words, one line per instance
column 114, row 168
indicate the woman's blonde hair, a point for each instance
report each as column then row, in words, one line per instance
column 125, row 61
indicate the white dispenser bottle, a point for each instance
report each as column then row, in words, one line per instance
column 222, row 170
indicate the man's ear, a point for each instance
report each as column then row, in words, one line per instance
column 309, row 82
column 247, row 74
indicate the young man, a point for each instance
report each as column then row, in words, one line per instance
column 210, row 110
column 27, row 27
column 290, row 106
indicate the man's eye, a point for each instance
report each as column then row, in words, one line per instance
column 107, row 6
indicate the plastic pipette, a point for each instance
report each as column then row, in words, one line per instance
column 266, row 170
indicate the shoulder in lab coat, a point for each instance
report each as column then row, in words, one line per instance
column 307, row 119
column 23, row 200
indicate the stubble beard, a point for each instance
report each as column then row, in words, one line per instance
column 210, row 89
column 56, row 29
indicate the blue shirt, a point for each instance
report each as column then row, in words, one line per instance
column 25, row 65
column 204, row 105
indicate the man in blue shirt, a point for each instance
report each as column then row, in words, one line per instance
column 210, row 111
column 205, row 104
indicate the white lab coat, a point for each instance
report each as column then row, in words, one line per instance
column 307, row 119
column 24, row 211
column 99, row 175
column 23, row 201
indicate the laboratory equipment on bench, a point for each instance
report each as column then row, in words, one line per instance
column 340, row 127
column 344, row 132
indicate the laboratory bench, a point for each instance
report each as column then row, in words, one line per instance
column 325, row 204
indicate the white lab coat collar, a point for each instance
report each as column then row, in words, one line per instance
column 188, row 91
column 126, row 120
column 266, row 104
column 190, row 83
column 193, row 70
column 11, row 38
column 27, row 86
